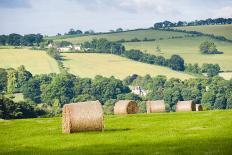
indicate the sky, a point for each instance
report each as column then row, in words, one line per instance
column 50, row 17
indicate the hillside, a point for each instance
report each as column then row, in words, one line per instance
column 188, row 48
column 139, row 34
column 37, row 62
column 207, row 132
column 92, row 64
column 219, row 30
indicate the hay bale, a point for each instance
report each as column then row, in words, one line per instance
column 82, row 116
column 155, row 106
column 199, row 107
column 125, row 107
column 185, row 106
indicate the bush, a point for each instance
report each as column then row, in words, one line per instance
column 209, row 48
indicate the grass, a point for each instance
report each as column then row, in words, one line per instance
column 188, row 48
column 226, row 75
column 140, row 34
column 218, row 30
column 37, row 62
column 195, row 133
column 92, row 64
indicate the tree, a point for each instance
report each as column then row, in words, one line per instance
column 60, row 88
column 208, row 48
column 176, row 63
column 11, row 80
column 11, row 110
column 3, row 80
column 14, row 39
column 210, row 69
column 119, row 30
column 22, row 76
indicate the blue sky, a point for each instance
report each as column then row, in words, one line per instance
column 53, row 16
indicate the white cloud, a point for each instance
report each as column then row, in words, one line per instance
column 225, row 12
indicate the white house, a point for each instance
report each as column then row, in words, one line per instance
column 139, row 91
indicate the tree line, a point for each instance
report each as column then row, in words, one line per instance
column 209, row 21
column 19, row 40
column 176, row 62
column 213, row 93
column 46, row 94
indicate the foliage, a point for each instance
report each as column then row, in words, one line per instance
column 210, row 69
column 208, row 48
column 12, row 110
column 17, row 39
column 3, row 79
column 209, row 21
column 176, row 63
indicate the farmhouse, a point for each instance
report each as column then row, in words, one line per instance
column 69, row 48
column 139, row 91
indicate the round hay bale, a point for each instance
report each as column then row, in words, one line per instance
column 125, row 107
column 199, row 107
column 155, row 106
column 183, row 106
column 82, row 116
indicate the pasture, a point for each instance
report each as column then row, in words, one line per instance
column 92, row 64
column 140, row 34
column 188, row 48
column 218, row 30
column 37, row 62
column 207, row 132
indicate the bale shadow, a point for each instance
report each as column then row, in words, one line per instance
column 123, row 129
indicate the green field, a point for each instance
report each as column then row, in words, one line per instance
column 92, row 64
column 140, row 34
column 37, row 62
column 218, row 30
column 207, row 132
column 188, row 48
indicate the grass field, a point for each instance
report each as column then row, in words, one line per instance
column 92, row 64
column 226, row 75
column 192, row 133
column 188, row 48
column 218, row 30
column 140, row 34
column 37, row 62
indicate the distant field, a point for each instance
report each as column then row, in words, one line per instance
column 140, row 34
column 188, row 48
column 37, row 62
column 193, row 133
column 92, row 64
column 220, row 30
column 226, row 75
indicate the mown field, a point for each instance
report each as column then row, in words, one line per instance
column 92, row 64
column 188, row 48
column 37, row 62
column 218, row 30
column 140, row 34
column 196, row 133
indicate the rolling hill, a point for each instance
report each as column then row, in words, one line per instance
column 171, row 43
column 218, row 30
column 92, row 64
column 140, row 34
